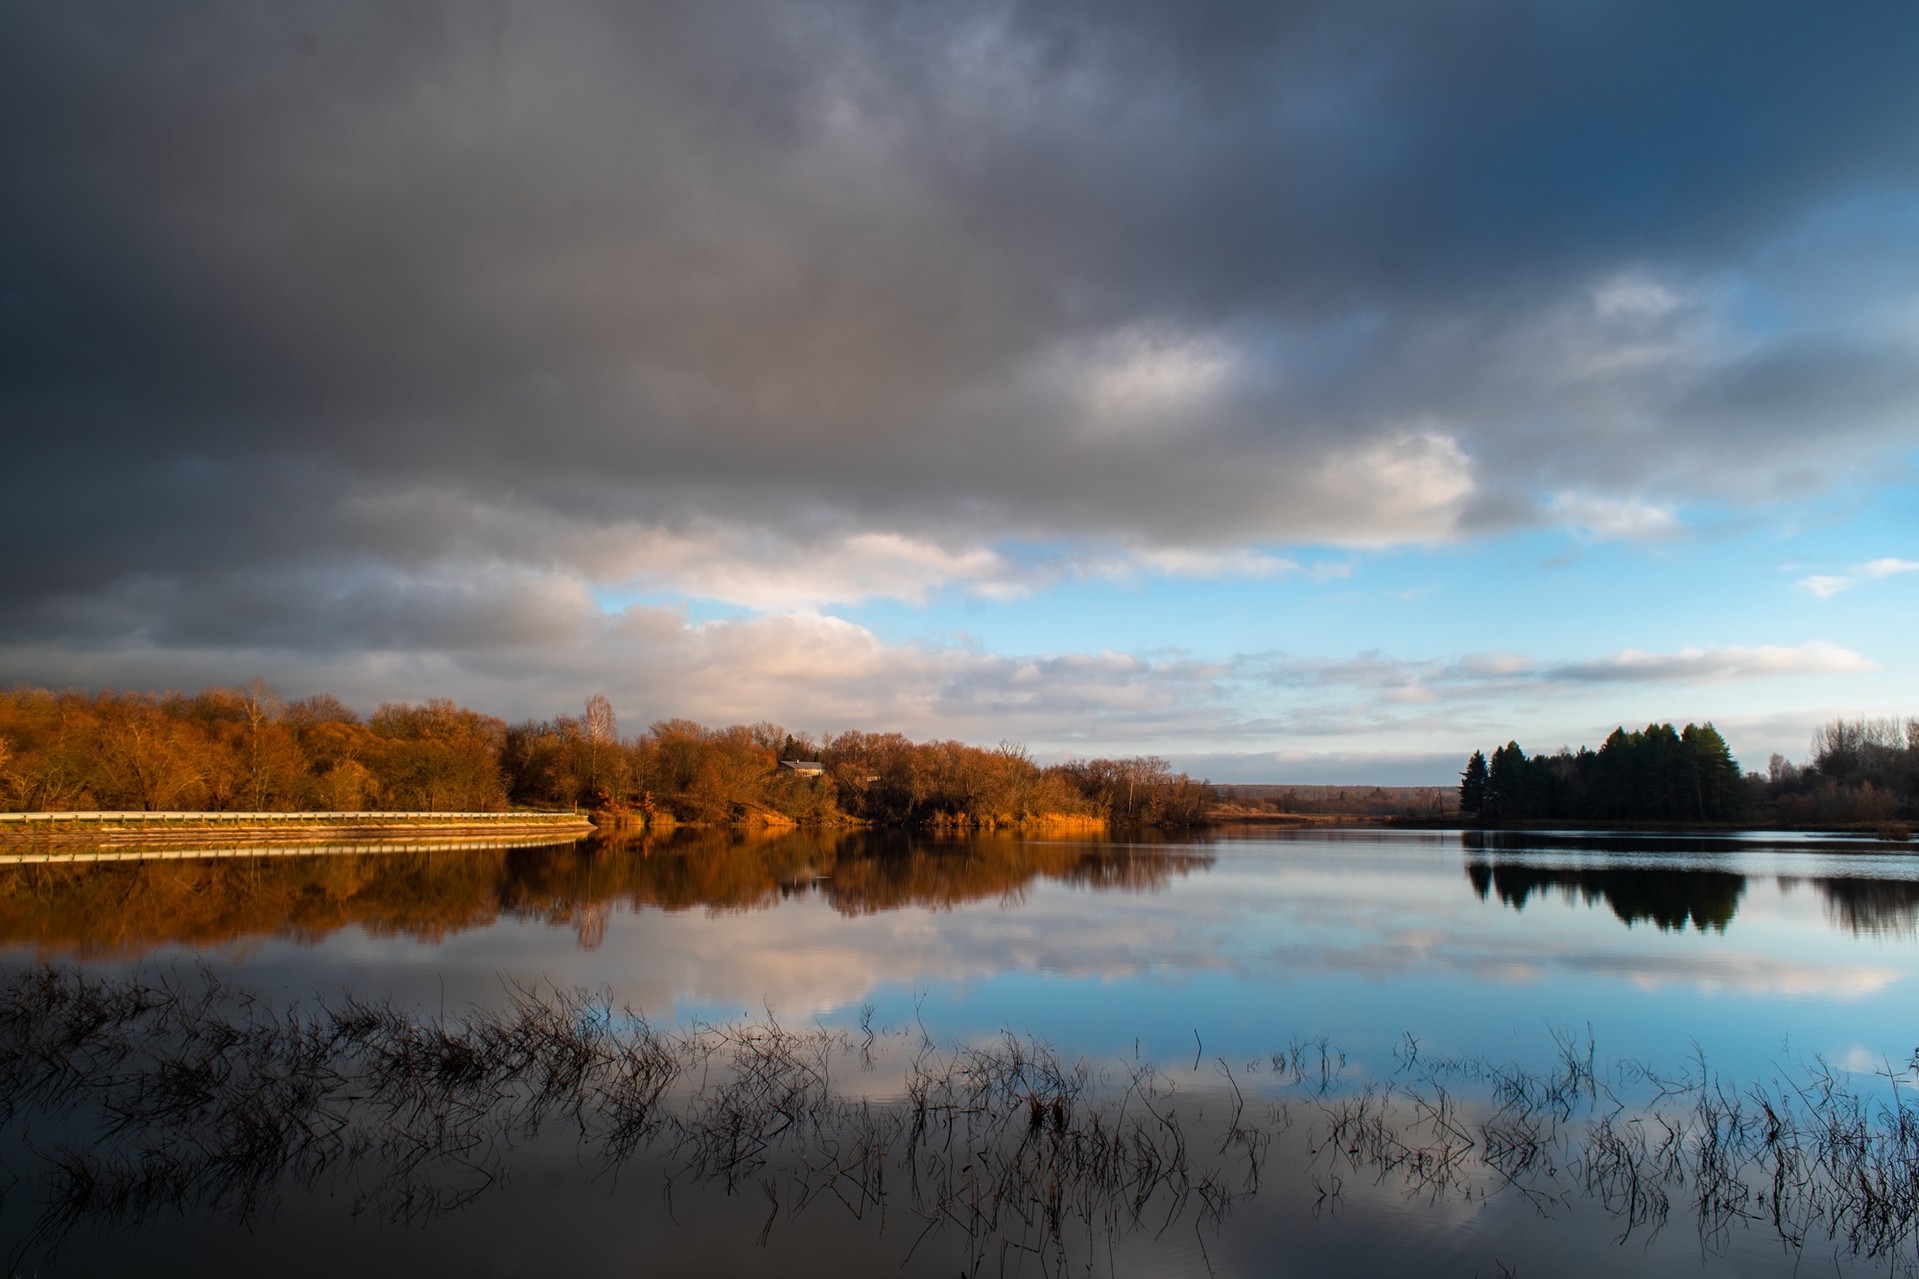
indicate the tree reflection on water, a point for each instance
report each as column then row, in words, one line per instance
column 123, row 910
column 1872, row 907
column 1668, row 899
column 1672, row 898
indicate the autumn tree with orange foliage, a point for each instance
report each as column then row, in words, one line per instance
column 245, row 749
column 227, row 749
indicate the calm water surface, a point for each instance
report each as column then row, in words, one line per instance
column 1748, row 960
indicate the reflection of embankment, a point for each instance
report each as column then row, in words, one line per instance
column 1669, row 899
column 127, row 909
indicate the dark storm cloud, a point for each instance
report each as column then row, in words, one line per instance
column 297, row 298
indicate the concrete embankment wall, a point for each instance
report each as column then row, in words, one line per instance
column 107, row 829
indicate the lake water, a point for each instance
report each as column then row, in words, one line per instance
column 1326, row 1052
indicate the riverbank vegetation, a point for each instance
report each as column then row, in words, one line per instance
column 226, row 749
column 1862, row 772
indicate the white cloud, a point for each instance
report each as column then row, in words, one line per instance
column 1181, row 562
column 768, row 572
column 1324, row 768
column 1411, row 485
column 1494, row 665
column 1615, row 518
column 769, row 568
column 1414, row 681
column 1142, row 380
column 1716, row 664
column 1205, row 563
column 760, row 570
column 1861, row 1060
column 1635, row 296
column 1825, row 587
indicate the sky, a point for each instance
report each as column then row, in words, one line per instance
column 1301, row 392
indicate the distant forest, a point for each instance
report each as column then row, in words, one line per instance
column 1862, row 772
column 1656, row 775
column 1243, row 800
column 225, row 749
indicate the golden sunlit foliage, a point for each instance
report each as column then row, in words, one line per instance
column 745, row 773
column 244, row 749
column 227, row 749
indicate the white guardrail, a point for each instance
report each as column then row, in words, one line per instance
column 272, row 817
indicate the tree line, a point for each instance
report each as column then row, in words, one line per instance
column 1862, row 772
column 1656, row 774
column 246, row 749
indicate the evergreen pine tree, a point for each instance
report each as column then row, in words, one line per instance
column 1472, row 786
column 1506, row 783
column 1711, row 772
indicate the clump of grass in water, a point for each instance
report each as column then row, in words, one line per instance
column 185, row 1095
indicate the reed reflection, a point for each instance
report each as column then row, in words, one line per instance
column 124, row 1102
column 122, row 910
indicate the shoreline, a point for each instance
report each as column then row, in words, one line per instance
column 26, row 831
column 159, row 830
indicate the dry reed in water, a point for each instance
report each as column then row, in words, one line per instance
column 177, row 1093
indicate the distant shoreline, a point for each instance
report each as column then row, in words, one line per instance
column 158, row 830
column 1897, row 835
column 1886, row 832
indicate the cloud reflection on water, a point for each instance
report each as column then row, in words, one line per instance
column 815, row 924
